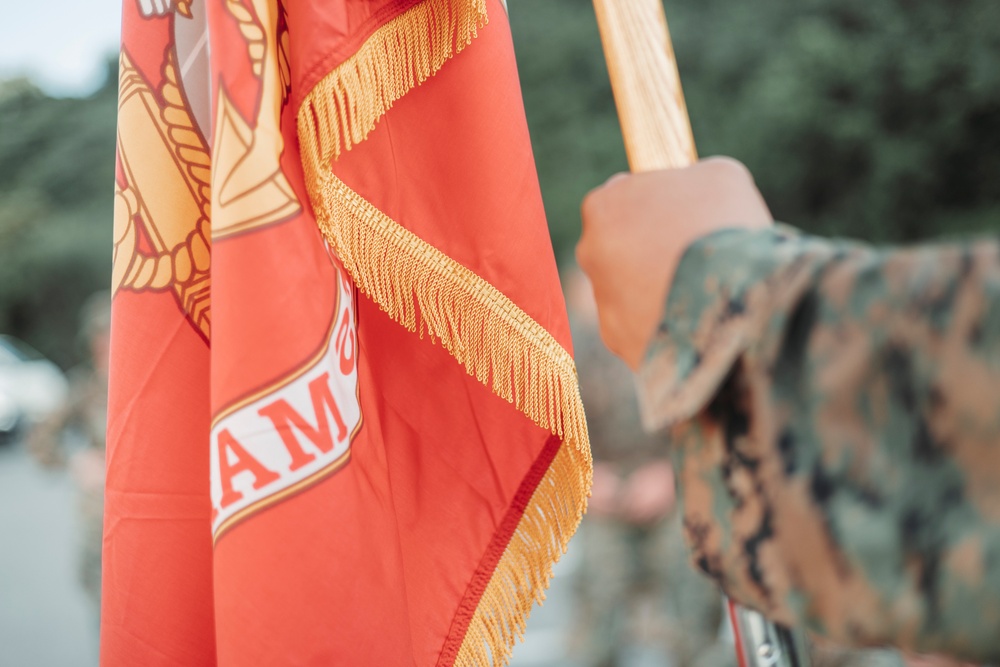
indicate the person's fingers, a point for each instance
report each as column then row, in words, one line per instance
column 729, row 163
column 649, row 495
column 615, row 177
column 732, row 171
column 635, row 229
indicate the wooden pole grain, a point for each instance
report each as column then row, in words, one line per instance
column 646, row 84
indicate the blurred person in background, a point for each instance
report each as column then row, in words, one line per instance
column 639, row 603
column 834, row 408
column 84, row 417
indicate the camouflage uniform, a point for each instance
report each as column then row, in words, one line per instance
column 85, row 413
column 635, row 589
column 835, row 416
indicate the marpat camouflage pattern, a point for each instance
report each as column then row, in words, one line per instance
column 834, row 411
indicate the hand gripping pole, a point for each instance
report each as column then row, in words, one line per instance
column 657, row 133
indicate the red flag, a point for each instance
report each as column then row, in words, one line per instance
column 353, row 435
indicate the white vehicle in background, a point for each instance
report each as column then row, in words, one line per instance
column 31, row 387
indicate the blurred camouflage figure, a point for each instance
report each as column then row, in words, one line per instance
column 639, row 601
column 85, row 416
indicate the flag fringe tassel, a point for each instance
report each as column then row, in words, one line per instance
column 435, row 296
column 525, row 569
column 432, row 295
column 342, row 109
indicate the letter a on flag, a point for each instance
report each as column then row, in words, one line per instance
column 344, row 423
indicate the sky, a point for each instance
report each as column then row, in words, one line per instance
column 60, row 44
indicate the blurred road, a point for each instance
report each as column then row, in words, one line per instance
column 45, row 619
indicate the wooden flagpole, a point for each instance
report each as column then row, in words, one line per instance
column 646, row 84
column 657, row 134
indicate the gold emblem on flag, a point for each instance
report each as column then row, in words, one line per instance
column 164, row 222
column 250, row 190
column 164, row 202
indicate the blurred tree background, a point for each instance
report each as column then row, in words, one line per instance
column 878, row 119
column 57, row 165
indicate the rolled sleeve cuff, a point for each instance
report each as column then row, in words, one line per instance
column 729, row 288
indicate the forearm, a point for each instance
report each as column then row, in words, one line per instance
column 837, row 422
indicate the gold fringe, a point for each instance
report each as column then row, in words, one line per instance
column 431, row 294
column 524, row 571
column 342, row 109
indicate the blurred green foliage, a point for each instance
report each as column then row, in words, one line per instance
column 878, row 119
column 57, row 162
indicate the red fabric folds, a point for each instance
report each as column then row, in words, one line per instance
column 294, row 477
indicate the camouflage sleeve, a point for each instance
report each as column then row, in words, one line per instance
column 44, row 440
column 835, row 417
